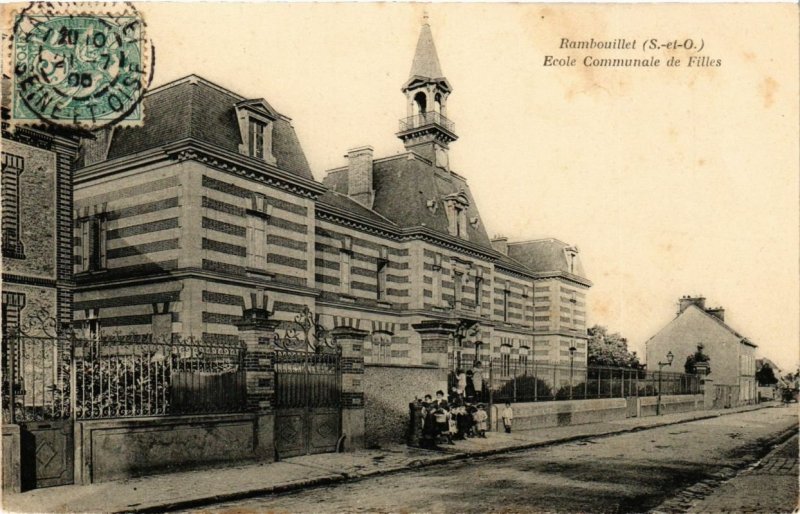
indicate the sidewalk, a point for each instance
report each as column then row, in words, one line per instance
column 203, row 487
column 770, row 486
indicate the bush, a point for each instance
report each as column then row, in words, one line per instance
column 526, row 386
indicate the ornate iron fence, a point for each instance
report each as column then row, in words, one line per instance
column 50, row 373
column 119, row 377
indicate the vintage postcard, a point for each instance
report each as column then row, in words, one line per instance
column 400, row 257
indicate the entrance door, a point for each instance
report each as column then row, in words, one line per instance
column 308, row 402
column 36, row 392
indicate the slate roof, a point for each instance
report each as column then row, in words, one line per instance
column 193, row 107
column 426, row 60
column 345, row 203
column 544, row 255
column 403, row 186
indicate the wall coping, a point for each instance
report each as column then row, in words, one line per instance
column 401, row 366
column 147, row 421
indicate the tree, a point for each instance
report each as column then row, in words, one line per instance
column 609, row 349
column 766, row 375
column 698, row 356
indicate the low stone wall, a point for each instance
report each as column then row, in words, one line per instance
column 529, row 416
column 670, row 404
column 12, row 476
column 388, row 389
column 122, row 448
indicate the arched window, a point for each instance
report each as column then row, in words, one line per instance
column 420, row 103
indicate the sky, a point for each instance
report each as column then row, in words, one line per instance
column 671, row 181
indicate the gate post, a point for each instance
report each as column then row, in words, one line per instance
column 351, row 342
column 257, row 333
column 436, row 336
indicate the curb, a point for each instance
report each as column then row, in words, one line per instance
column 434, row 461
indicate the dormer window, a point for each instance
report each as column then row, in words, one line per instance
column 456, row 206
column 256, row 132
column 256, row 121
column 572, row 253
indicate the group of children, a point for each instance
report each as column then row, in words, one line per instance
column 444, row 420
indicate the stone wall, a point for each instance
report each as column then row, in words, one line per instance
column 387, row 392
column 670, row 404
column 122, row 448
column 529, row 416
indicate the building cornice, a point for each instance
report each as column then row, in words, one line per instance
column 196, row 273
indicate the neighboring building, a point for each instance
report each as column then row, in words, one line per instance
column 731, row 355
column 181, row 220
column 37, row 167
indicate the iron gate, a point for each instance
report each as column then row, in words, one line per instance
column 37, row 381
column 308, row 388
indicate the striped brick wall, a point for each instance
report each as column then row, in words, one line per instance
column 143, row 223
column 224, row 219
column 363, row 265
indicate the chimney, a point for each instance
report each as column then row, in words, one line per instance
column 359, row 175
column 500, row 243
column 686, row 301
column 719, row 312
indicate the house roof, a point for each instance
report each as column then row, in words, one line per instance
column 404, row 185
column 544, row 255
column 344, row 203
column 193, row 107
column 707, row 315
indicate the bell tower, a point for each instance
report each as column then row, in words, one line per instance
column 426, row 129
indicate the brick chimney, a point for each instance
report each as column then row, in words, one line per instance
column 719, row 312
column 500, row 243
column 359, row 175
column 686, row 301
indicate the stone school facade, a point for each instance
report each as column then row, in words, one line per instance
column 182, row 222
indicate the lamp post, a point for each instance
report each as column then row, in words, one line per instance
column 661, row 365
column 571, row 360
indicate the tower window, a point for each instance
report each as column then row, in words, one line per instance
column 420, row 103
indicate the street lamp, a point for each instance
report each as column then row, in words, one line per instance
column 661, row 365
column 572, row 350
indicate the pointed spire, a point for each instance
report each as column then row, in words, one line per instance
column 426, row 61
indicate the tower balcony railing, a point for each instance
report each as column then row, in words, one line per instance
column 427, row 118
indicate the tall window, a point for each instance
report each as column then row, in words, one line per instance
column 382, row 266
column 257, row 222
column 458, row 279
column 256, row 137
column 478, row 285
column 437, row 279
column 505, row 360
column 506, row 294
column 11, row 223
column 93, row 243
column 346, row 253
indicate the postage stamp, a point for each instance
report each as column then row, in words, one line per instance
column 86, row 65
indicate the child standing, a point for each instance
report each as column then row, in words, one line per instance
column 481, row 421
column 508, row 416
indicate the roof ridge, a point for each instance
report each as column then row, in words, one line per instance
column 193, row 78
column 721, row 322
column 539, row 240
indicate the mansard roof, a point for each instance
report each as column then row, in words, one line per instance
column 545, row 256
column 405, row 184
column 193, row 107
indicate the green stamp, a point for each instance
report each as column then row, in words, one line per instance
column 86, row 65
